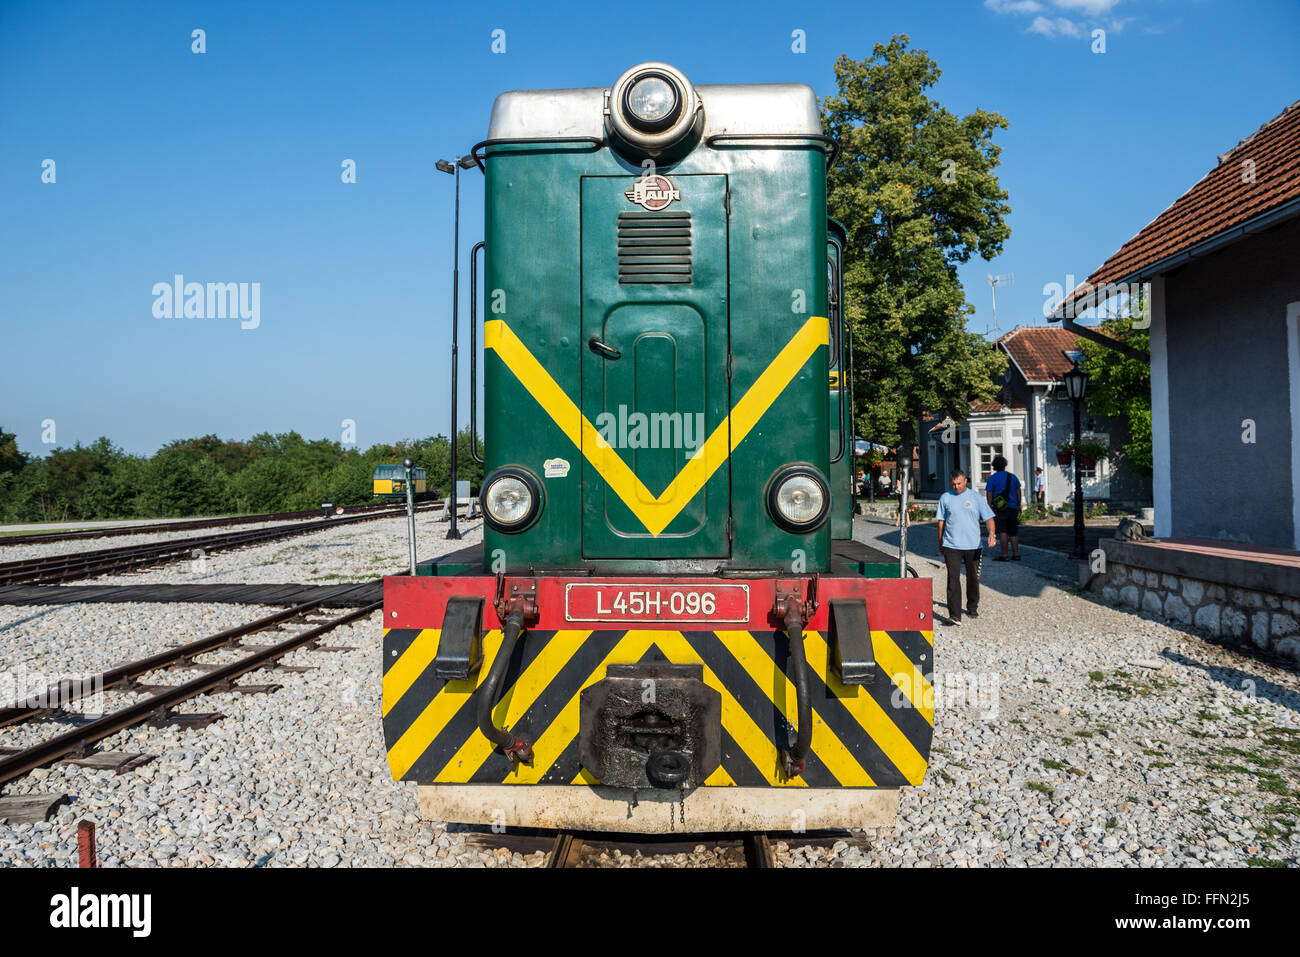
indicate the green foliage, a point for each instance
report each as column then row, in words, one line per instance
column 916, row 191
column 209, row 476
column 1120, row 387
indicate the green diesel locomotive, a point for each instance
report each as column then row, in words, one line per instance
column 667, row 612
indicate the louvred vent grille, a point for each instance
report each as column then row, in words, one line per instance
column 654, row 247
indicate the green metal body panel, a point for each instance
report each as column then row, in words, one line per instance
column 758, row 256
column 668, row 391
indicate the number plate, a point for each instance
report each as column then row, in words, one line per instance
column 600, row 601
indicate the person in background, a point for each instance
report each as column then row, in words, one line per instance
column 1038, row 486
column 1006, row 499
column 884, row 483
column 960, row 513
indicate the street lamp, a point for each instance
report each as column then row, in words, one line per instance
column 1076, row 387
column 454, row 168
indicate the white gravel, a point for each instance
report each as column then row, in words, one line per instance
column 1130, row 768
column 1117, row 740
column 356, row 552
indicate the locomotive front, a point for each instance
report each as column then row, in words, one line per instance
column 658, row 617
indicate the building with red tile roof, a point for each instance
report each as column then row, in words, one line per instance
column 1029, row 419
column 1223, row 267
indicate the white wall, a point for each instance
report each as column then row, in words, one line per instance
column 1160, row 455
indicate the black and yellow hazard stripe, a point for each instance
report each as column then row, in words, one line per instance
column 875, row 735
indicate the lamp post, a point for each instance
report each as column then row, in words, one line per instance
column 454, row 168
column 410, row 511
column 1076, row 387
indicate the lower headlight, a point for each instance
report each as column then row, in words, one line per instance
column 799, row 499
column 511, row 499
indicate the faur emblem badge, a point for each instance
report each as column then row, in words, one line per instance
column 653, row 192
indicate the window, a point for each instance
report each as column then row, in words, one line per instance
column 987, row 454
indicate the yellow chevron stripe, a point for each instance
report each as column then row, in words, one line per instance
column 519, row 697
column 656, row 512
column 564, row 727
column 774, row 682
column 438, row 712
column 904, row 674
column 403, row 672
column 867, row 712
column 719, row 779
column 738, row 722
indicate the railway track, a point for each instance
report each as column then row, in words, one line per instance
column 53, row 569
column 153, row 528
column 158, row 700
column 574, row 849
column 570, row 847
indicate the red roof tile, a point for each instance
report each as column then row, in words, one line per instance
column 977, row 407
column 1259, row 174
column 1039, row 351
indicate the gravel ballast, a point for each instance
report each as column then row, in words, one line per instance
column 1067, row 733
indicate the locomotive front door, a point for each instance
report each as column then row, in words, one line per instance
column 654, row 346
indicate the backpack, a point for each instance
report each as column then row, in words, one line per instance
column 1003, row 498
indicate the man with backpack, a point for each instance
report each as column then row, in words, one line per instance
column 1003, row 491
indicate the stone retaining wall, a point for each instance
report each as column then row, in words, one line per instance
column 1268, row 620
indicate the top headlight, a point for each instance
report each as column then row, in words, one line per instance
column 652, row 107
column 652, row 102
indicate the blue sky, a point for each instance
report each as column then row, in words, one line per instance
column 225, row 167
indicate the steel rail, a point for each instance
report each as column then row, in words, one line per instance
column 152, row 528
column 77, row 740
column 66, row 690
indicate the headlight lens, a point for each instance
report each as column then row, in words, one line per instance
column 799, row 499
column 511, row 499
column 652, row 99
column 508, row 500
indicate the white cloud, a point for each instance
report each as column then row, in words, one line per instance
column 1013, row 6
column 1055, row 26
column 1093, row 8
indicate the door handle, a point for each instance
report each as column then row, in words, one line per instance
column 602, row 349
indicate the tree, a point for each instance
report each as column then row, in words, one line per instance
column 11, row 459
column 1120, row 387
column 917, row 195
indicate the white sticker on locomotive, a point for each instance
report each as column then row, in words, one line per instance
column 646, row 602
column 556, row 468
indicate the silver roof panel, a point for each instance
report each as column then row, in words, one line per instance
column 728, row 108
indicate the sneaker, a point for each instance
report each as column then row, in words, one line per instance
column 1001, row 558
column 972, row 613
column 953, row 621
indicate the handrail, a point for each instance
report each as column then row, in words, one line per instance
column 593, row 141
column 474, row 452
column 832, row 152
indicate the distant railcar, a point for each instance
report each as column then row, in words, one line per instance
column 390, row 482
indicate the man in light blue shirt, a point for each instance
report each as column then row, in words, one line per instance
column 960, row 513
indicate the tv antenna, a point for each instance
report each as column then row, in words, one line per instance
column 994, row 282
